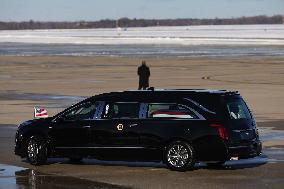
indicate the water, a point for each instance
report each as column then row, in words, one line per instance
column 28, row 49
column 183, row 41
column 181, row 35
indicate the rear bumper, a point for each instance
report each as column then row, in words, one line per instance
column 247, row 150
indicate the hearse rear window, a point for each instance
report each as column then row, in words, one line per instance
column 170, row 111
column 238, row 109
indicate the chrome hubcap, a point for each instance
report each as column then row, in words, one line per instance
column 178, row 155
column 33, row 150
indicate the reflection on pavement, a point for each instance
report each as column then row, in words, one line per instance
column 12, row 177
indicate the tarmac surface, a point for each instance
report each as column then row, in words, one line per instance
column 57, row 82
column 265, row 171
column 18, row 177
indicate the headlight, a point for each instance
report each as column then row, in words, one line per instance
column 18, row 137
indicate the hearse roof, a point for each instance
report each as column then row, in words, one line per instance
column 163, row 93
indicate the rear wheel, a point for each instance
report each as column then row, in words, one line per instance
column 37, row 150
column 179, row 156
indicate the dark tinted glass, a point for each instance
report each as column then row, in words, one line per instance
column 170, row 111
column 83, row 111
column 238, row 109
column 122, row 110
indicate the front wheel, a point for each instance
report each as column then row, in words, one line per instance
column 37, row 150
column 179, row 156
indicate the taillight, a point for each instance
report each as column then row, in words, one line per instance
column 222, row 131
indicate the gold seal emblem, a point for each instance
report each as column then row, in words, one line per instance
column 119, row 127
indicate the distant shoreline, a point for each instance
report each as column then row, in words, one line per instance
column 127, row 22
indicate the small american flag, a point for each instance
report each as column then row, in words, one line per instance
column 40, row 112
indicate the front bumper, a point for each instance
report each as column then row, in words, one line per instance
column 19, row 149
column 245, row 150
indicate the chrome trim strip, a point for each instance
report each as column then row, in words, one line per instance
column 196, row 113
column 133, row 125
column 243, row 130
column 200, row 106
column 103, row 147
column 234, row 147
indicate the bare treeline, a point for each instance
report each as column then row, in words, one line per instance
column 126, row 22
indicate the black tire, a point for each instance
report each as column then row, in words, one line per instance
column 179, row 156
column 37, row 150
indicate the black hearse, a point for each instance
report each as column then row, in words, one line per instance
column 178, row 127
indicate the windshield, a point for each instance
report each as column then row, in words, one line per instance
column 238, row 109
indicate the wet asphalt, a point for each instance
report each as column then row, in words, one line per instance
column 265, row 171
column 18, row 177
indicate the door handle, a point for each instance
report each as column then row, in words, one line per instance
column 87, row 126
column 133, row 125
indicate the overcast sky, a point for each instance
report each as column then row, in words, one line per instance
column 75, row 10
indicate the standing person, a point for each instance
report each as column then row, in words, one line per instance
column 144, row 74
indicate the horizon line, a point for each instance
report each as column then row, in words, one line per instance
column 134, row 18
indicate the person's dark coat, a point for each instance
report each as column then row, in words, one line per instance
column 144, row 74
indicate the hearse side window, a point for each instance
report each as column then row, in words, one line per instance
column 81, row 112
column 121, row 110
column 170, row 111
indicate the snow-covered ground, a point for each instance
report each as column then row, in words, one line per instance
column 185, row 35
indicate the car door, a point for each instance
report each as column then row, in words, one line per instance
column 116, row 129
column 164, row 121
column 71, row 130
column 170, row 121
